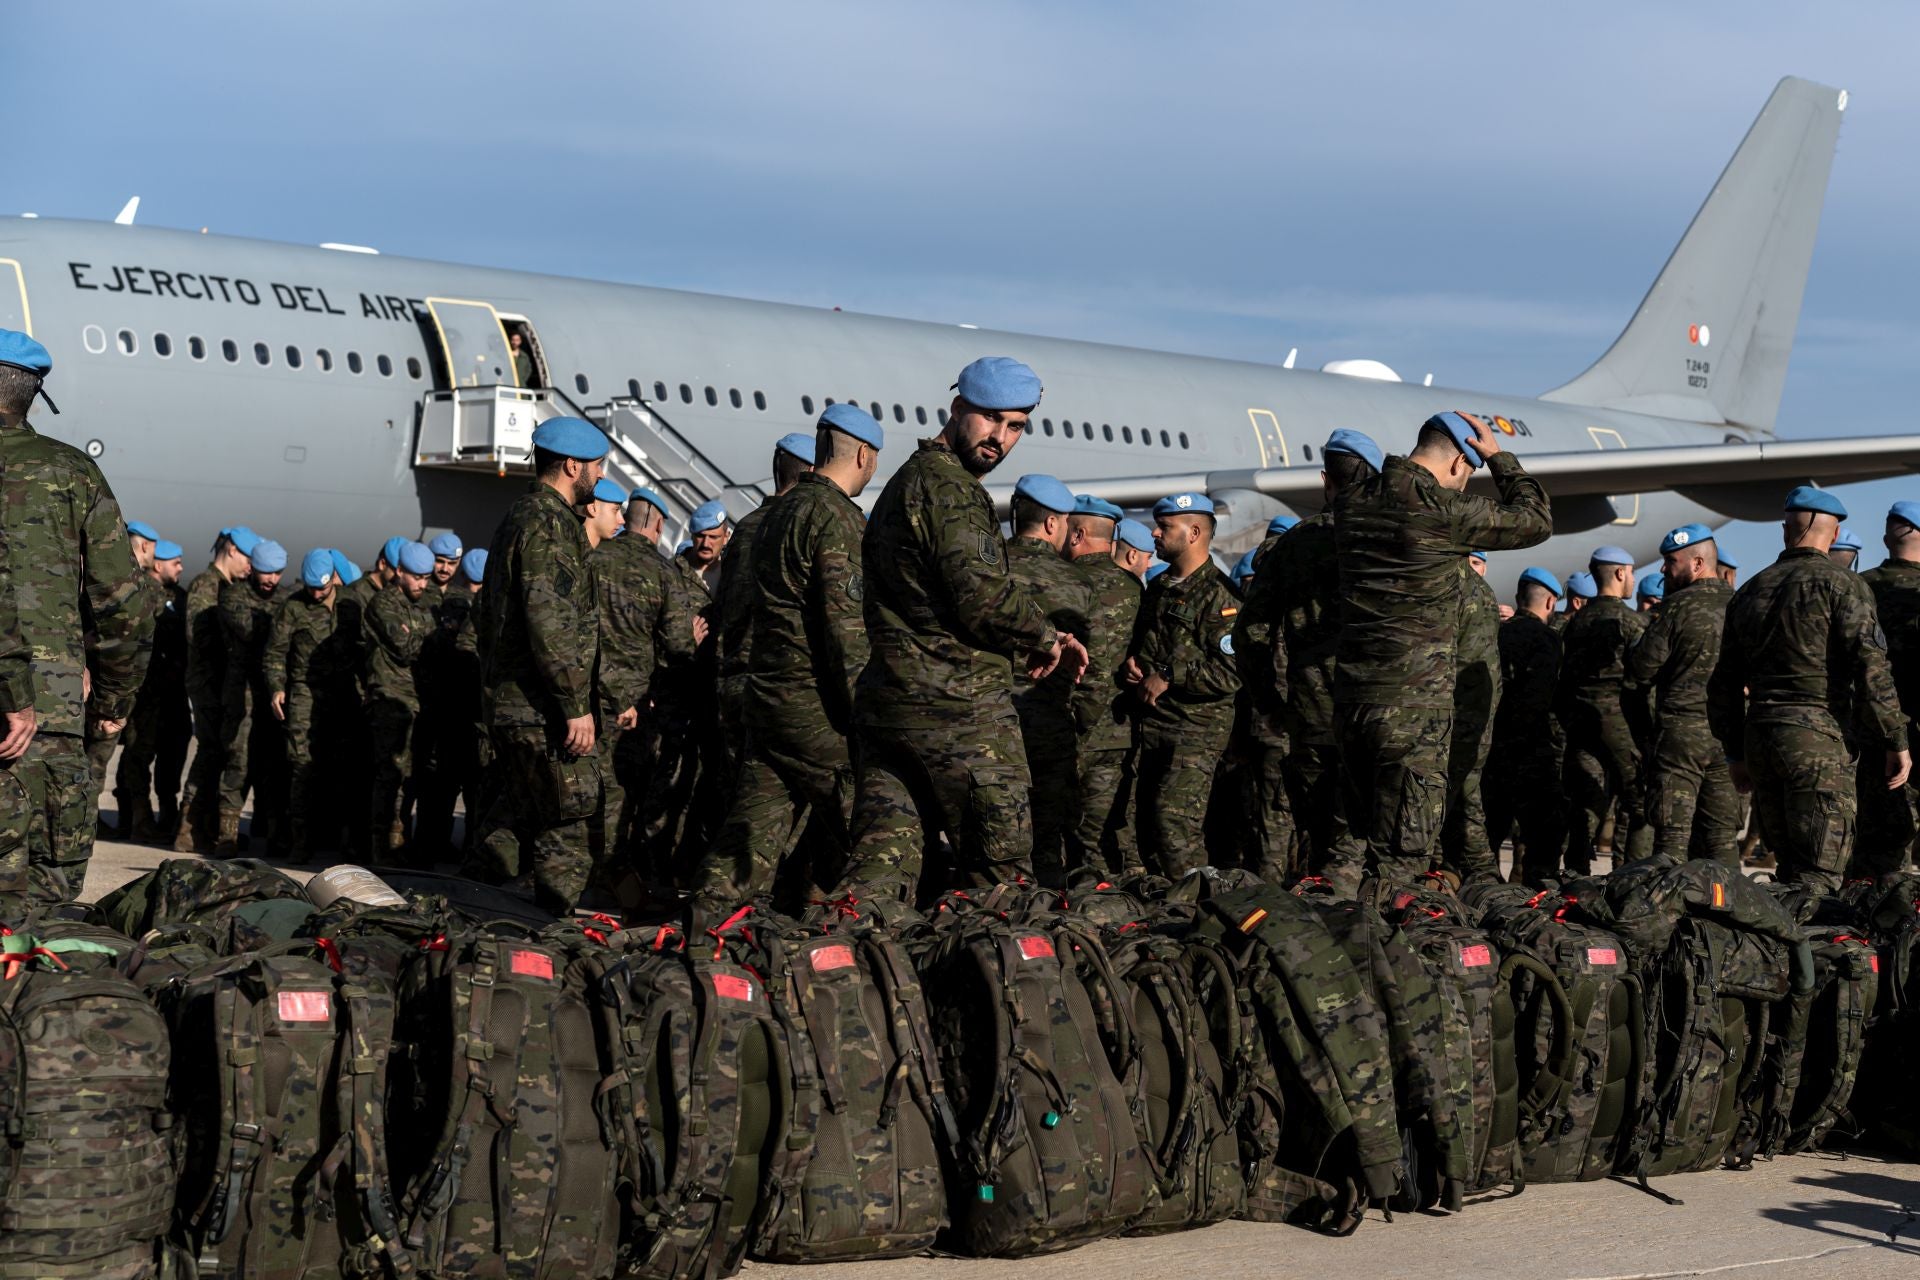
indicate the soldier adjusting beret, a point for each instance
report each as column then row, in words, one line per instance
column 999, row 382
column 349, row 571
column 416, row 557
column 473, row 565
column 852, row 420
column 1686, row 535
column 1653, row 586
column 708, row 515
column 1582, row 585
column 571, row 438
column 1085, row 504
column 1535, row 574
column 1281, row 523
column 316, row 567
column 1908, row 511
column 1846, row 540
column 446, row 546
column 1184, row 504
column 649, row 497
column 799, row 444
column 1359, row 444
column 141, row 529
column 604, row 490
column 390, row 551
column 267, row 557
column 164, row 550
column 1456, row 426
column 1819, row 501
column 1611, row 555
column 243, row 538
column 1135, row 535
column 1044, row 491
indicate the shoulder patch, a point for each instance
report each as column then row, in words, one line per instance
column 1230, row 611
column 990, row 548
column 1226, row 644
column 856, row 587
column 563, row 584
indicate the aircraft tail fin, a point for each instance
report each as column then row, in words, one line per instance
column 1711, row 339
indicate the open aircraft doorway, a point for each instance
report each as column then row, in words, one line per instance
column 473, row 347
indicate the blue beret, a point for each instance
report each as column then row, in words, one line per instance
column 1085, row 504
column 316, row 567
column 852, row 420
column 242, row 537
column 1534, row 573
column 799, row 444
column 1726, row 560
column 1357, row 443
column 604, row 490
column 1611, row 555
column 708, row 515
column 999, row 382
column 1819, row 501
column 1135, row 535
column 1242, row 569
column 1477, row 554
column 1653, row 586
column 685, row 543
column 1184, row 504
column 1582, row 585
column 1846, row 540
column 1155, row 569
column 267, row 557
column 22, row 352
column 1908, row 511
column 571, row 438
column 474, row 565
column 1685, row 536
column 1044, row 491
column 1281, row 523
column 164, row 550
column 447, row 545
column 349, row 571
column 649, row 497
column 416, row 557
column 390, row 550
column 141, row 529
column 1460, row 430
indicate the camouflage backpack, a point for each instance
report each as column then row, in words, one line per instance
column 1888, row 1105
column 1846, row 984
column 86, row 1155
column 1031, row 1025
column 204, row 891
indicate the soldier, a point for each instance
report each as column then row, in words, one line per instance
column 154, row 745
column 1606, row 722
column 1651, row 593
column 1257, row 752
column 207, row 686
column 306, row 684
column 537, row 627
column 70, row 568
column 1400, row 537
column 395, row 627
column 447, row 551
column 1729, row 569
column 1887, row 818
column 790, row 812
column 247, row 751
column 1801, row 669
column 1099, row 838
column 1133, row 548
column 1464, row 846
column 1580, row 593
column 130, row 812
column 1523, row 764
column 354, row 596
column 1036, row 560
column 1690, row 798
column 1845, row 550
column 939, row 749
column 1183, row 675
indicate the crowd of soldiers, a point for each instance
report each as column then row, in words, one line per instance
column 817, row 700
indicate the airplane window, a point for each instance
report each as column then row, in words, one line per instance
column 733, row 397
column 920, row 414
column 712, row 396
column 1046, row 425
column 1146, row 437
column 385, row 365
column 323, row 358
column 879, row 414
column 942, row 415
column 197, row 347
column 1106, row 433
column 413, row 368
column 1126, row 433
column 659, row 391
column 1185, row 445
column 162, row 345
column 129, row 345
column 293, row 357
column 759, row 400
column 230, row 350
column 580, row 381
column 95, row 338
column 1165, row 441
column 899, row 414
column 829, row 401
column 262, row 353
column 1306, row 450
column 633, row 388
column 806, row 405
column 353, row 362
column 686, row 394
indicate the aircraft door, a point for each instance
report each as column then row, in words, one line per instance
column 1626, row 506
column 14, row 312
column 473, row 343
column 1267, row 434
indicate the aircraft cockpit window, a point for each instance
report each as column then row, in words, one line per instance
column 230, row 350
column 659, row 391
column 686, row 394
column 760, row 400
column 414, row 370
column 713, row 397
column 323, row 358
column 733, row 397
column 162, row 345
column 129, row 344
column 1185, row 445
column 293, row 357
column 262, row 353
column 920, row 414
column 197, row 347
column 385, row 365
column 806, row 405
column 580, row 382
column 353, row 362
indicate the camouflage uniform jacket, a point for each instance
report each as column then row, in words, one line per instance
column 1676, row 654
column 692, row 684
column 246, row 617
column 1896, row 598
column 16, row 660
column 167, row 667
column 1061, row 590
column 301, row 648
column 1102, row 710
column 1529, row 676
column 397, row 628
column 810, row 636
column 1298, row 581
column 536, row 622
column 1400, row 538
column 1476, row 690
column 1593, row 655
column 943, row 613
column 737, row 596
column 633, row 593
column 1259, row 649
column 1802, row 646
column 72, row 575
column 1185, row 632
column 206, row 642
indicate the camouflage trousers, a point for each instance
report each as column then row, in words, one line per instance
column 1884, row 841
column 1803, row 799
column 733, row 722
column 1272, row 845
column 1603, row 768
column 1521, row 790
column 787, row 828
column 47, row 812
column 1173, row 786
column 1465, row 848
column 626, row 762
column 153, row 749
column 1047, row 732
column 674, row 818
column 200, row 801
column 1394, row 761
column 1317, row 797
column 1690, row 796
column 391, row 726
column 100, row 751
column 542, row 799
column 965, row 781
column 1100, row 841
column 236, row 745
column 452, row 735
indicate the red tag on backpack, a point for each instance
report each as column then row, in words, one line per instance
column 305, row 1006
column 1475, row 956
column 1037, row 948
column 1873, row 962
column 531, row 964
column 837, row 956
column 732, row 986
column 1602, row 955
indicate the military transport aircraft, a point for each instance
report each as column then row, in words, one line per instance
column 333, row 394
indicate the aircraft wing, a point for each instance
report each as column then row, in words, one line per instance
column 1742, row 481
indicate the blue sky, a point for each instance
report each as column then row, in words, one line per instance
column 1478, row 190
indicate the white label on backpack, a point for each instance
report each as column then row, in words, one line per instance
column 1602, row 955
column 305, row 1006
column 837, row 956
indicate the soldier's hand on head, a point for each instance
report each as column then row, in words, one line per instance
column 1073, row 657
column 19, row 726
column 1899, row 765
column 1742, row 780
column 580, row 734
column 1486, row 441
column 628, row 719
column 280, row 706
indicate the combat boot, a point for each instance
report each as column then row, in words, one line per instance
column 145, row 830
column 226, row 841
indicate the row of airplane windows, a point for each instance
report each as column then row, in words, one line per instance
column 127, row 342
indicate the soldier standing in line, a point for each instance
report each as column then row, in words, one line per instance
column 1802, row 669
column 1183, row 675
column 1887, row 817
column 1400, row 537
column 1729, row 569
column 70, row 568
column 1099, row 844
column 154, row 745
column 396, row 626
column 1845, row 551
column 1523, row 765
column 787, row 829
column 938, row 743
column 1581, row 590
column 129, row 811
column 207, row 686
column 1651, row 594
column 537, row 627
column 1133, row 549
column 1689, row 795
column 1036, row 560
column 1606, row 722
column 445, row 746
column 1270, row 842
column 306, row 684
column 1464, row 846
column 247, row 750
column 447, row 551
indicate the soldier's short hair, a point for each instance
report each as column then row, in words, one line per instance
column 1434, row 440
column 1028, row 513
column 545, row 463
column 831, row 446
column 17, row 389
column 1098, row 525
column 1531, row 594
column 788, row 469
column 1346, row 469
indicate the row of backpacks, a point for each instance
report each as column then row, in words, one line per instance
column 206, row 1074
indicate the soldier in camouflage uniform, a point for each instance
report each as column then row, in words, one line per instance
column 1400, row 537
column 1802, row 668
column 450, row 666
column 1580, row 593
column 1887, row 817
column 433, row 782
column 938, row 743
column 1099, row 839
column 1689, row 796
column 207, row 687
column 306, row 685
column 69, row 567
column 250, row 756
column 1270, row 843
column 396, row 627
column 1604, row 718
column 1522, row 788
column 1184, row 677
column 1464, row 847
column 537, row 627
column 787, row 830
column 154, row 744
column 1035, row 559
